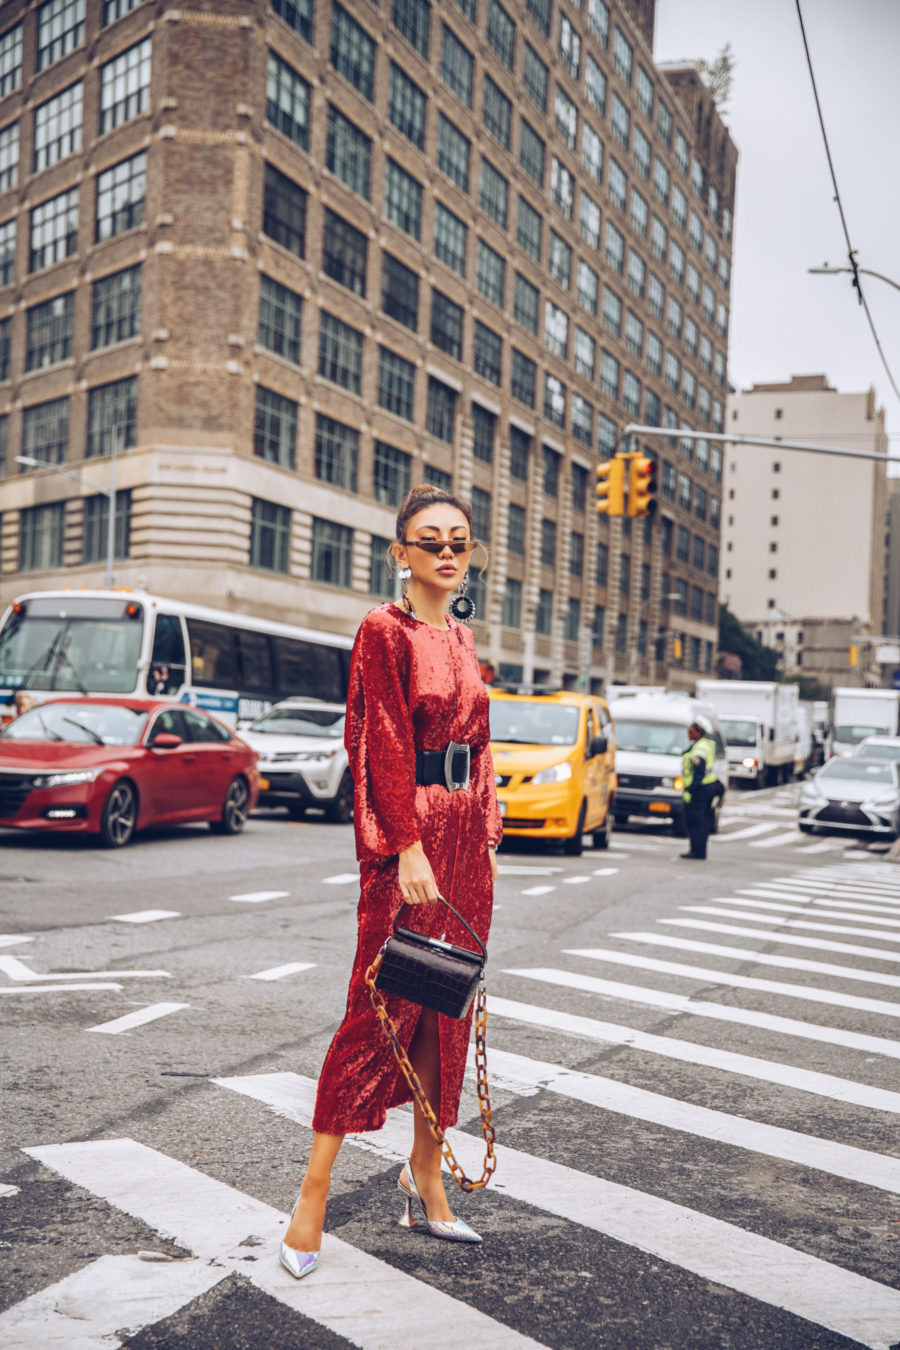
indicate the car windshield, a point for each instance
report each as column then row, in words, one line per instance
column 738, row 732
column 851, row 732
column 859, row 770
column 872, row 750
column 523, row 721
column 651, row 738
column 79, row 723
column 326, row 722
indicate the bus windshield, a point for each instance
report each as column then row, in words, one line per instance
column 72, row 644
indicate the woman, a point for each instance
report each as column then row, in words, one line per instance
column 415, row 686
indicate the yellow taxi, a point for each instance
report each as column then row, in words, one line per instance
column 554, row 755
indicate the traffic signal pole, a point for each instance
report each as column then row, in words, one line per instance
column 725, row 438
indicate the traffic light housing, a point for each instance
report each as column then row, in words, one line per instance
column 642, row 485
column 611, row 487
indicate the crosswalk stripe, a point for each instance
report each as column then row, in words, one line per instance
column 15, row 969
column 279, row 972
column 840, row 1160
column 13, row 939
column 138, row 1018
column 762, row 958
column 790, row 837
column 58, row 988
column 793, row 923
column 769, row 1271
column 368, row 1302
column 690, row 1052
column 861, row 909
column 749, row 833
column 538, row 890
column 802, row 886
column 810, row 993
column 719, row 1012
column 257, row 897
column 146, row 916
column 823, row 847
column 786, row 939
column 839, row 876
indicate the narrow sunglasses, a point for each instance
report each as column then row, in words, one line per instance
column 438, row 545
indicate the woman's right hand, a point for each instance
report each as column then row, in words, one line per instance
column 416, row 879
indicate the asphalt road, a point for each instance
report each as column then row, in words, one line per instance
column 694, row 1072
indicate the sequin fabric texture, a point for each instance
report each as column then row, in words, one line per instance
column 412, row 687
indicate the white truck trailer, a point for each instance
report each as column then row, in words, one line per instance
column 857, row 713
column 759, row 722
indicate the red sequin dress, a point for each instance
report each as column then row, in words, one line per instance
column 412, row 687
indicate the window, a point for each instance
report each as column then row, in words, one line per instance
column 588, row 285
column 279, row 319
column 112, row 411
column 512, row 604
column 682, row 153
column 406, row 106
column 348, row 153
column 634, row 334
column 490, row 274
column 453, row 153
column 440, row 419
column 710, row 252
column 57, row 133
column 41, row 537
column 615, row 248
column 9, row 155
column 402, row 199
column 287, row 101
column 690, row 336
column 534, row 77
column 585, row 353
column 381, row 574
column 392, row 474
column 446, row 325
column 637, row 273
column 519, row 453
column 497, row 112
column 275, row 427
column 543, row 615
column 48, row 331
column 676, row 260
column 715, row 507
column 674, row 317
column 5, row 333
column 640, row 212
column 450, row 237
column 487, row 353
column 609, row 375
column 699, row 555
column 560, row 260
column 682, row 537
column 297, row 13
column 54, row 230
column 569, row 46
column 606, row 434
column 673, row 371
column 481, row 514
column 592, row 152
column 654, row 353
column 525, row 304
column 625, row 574
column 457, row 66
column 125, row 86
column 529, row 225
column 284, row 211
column 399, row 291
column 595, row 83
column 580, row 479
column 701, row 504
column 60, row 30
column 656, row 296
column 531, row 153
column 623, row 55
column 344, row 253
column 556, row 329
column 116, row 307
column 722, row 320
column 684, row 494
column 659, row 239
column 664, row 122
column 621, row 122
column 121, row 197
column 582, row 420
column 501, row 33
column 412, row 19
column 340, row 352
column 644, row 92
column 540, row 11
column 484, row 425
column 612, row 312
column 352, row 51
column 712, row 559
column 631, row 393
column 494, row 194
column 45, row 430
column 651, row 408
column 720, row 368
column 554, row 400
column 548, row 543
column 661, row 181
column 10, row 60
column 337, row 453
column 618, row 184
column 566, row 117
column 396, row 384
column 270, row 536
column 96, row 526
column 590, row 220
column 641, row 151
column 332, row 553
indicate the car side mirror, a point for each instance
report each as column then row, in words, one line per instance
column 599, row 746
column 165, row 740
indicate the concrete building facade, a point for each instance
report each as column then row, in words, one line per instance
column 289, row 257
column 805, row 549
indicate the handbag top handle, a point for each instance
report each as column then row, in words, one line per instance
column 456, row 914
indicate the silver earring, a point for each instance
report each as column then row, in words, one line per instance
column 404, row 573
column 463, row 607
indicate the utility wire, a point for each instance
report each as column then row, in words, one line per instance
column 851, row 251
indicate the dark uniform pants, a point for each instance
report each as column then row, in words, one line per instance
column 698, row 818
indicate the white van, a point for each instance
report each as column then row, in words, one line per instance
column 651, row 736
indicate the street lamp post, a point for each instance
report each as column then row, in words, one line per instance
column 32, row 462
column 827, row 271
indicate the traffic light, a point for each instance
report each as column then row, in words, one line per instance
column 854, row 655
column 611, row 487
column 641, row 486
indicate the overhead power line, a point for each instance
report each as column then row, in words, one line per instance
column 851, row 251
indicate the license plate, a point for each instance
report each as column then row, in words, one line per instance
column 502, row 806
column 660, row 808
column 264, row 785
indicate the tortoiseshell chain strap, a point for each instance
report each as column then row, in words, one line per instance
column 415, row 1087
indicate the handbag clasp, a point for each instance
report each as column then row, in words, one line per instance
column 454, row 749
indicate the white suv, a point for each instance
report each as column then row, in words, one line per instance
column 302, row 760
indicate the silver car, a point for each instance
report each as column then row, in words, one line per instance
column 856, row 795
column 302, row 760
column 878, row 747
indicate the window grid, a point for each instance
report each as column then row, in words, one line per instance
column 554, row 400
column 562, row 188
column 501, row 33
column 612, row 312
column 615, row 248
column 585, row 353
column 497, row 113
column 48, row 332
column 280, row 312
column 57, row 127
column 494, row 193
column 592, row 152
column 589, row 220
column 96, row 524
column 487, row 353
column 5, row 335
column 298, row 14
column 532, row 152
column 606, row 439
column 440, row 418
column 634, row 334
column 402, row 200
column 548, row 543
column 523, row 378
column 344, row 253
column 580, row 479
column 60, row 29
column 582, row 420
column 637, row 273
column 525, row 304
column 609, row 375
column 112, row 411
column 117, row 9
column 381, row 574
column 340, row 352
column 352, row 51
column 617, row 184
column 543, row 614
column 7, row 252
column 566, row 115
column 481, row 514
column 407, row 107
column 631, row 393
column 623, row 55
column 595, row 83
column 519, row 453
column 287, row 101
column 450, row 238
column 399, row 291
column 512, row 604
column 560, row 260
column 396, row 384
column 125, row 86
column 457, row 66
column 484, row 425
column 331, row 561
column 529, row 227
column 490, row 274
column 348, row 153
column 9, row 156
column 284, row 211
column 391, row 474
column 270, row 536
column 453, row 152
column 54, row 230
column 556, row 329
column 275, row 427
column 588, row 287
column 116, row 307
column 641, row 152
column 41, row 537
column 540, row 11
column 10, row 60
column 621, row 122
column 337, row 453
column 45, row 431
column 654, row 354
column 446, row 325
column 535, row 76
column 121, row 197
column 569, row 46
column 412, row 19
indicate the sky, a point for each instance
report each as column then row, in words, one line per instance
column 783, row 321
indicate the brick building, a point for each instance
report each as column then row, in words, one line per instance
column 297, row 255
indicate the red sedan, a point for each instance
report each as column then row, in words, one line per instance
column 110, row 766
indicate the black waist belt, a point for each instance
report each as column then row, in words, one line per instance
column 449, row 766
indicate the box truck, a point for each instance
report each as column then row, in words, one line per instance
column 759, row 722
column 857, row 713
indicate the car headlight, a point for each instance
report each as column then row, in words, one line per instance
column 667, row 782
column 882, row 803
column 67, row 778
column 557, row 773
column 811, row 792
column 678, row 784
column 749, row 762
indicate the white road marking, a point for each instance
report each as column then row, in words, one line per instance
column 749, row 833
column 838, row 890
column 56, row 988
column 690, row 1052
column 257, row 897
column 786, row 939
column 808, row 903
column 146, row 915
column 17, row 970
column 279, row 972
column 778, row 1275
column 342, row 879
column 368, row 1302
column 7, row 1192
column 539, row 890
column 619, row 857
column 605, row 872
column 857, row 853
column 817, row 848
column 717, row 1012
column 792, row 923
column 138, row 1018
column 10, row 940
column 762, row 958
column 811, row 993
column 575, row 881
column 514, row 870
column 790, row 837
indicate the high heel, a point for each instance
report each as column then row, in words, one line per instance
column 297, row 1263
column 453, row 1230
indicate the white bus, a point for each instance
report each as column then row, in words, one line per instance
column 129, row 642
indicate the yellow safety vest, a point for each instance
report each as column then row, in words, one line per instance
column 705, row 747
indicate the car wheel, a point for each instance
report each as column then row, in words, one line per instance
column 234, row 809
column 119, row 818
column 341, row 809
column 803, row 827
column 602, row 836
column 574, row 845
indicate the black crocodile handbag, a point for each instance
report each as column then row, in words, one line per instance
column 428, row 971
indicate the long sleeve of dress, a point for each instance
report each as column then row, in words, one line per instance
column 379, row 740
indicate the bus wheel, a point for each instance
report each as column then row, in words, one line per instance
column 574, row 845
column 341, row 809
column 119, row 817
column 234, row 809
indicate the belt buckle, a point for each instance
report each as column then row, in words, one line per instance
column 454, row 784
